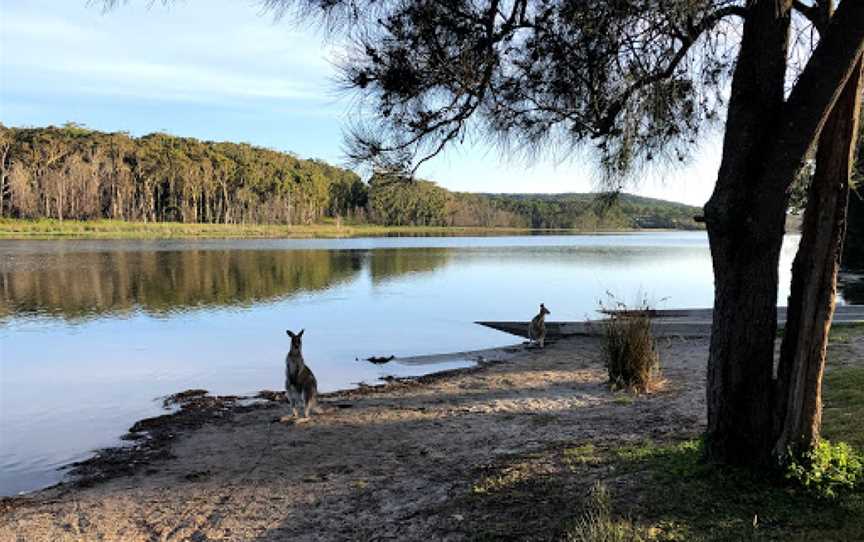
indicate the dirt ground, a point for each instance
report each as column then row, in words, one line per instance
column 389, row 463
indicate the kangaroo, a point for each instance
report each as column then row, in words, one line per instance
column 300, row 384
column 537, row 327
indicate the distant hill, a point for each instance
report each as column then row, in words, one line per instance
column 72, row 172
column 624, row 210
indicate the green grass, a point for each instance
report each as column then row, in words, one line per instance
column 838, row 333
column 704, row 502
column 623, row 398
column 582, row 455
column 682, row 498
column 598, row 525
column 118, row 229
column 843, row 406
column 844, row 333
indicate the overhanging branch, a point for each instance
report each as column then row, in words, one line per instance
column 694, row 31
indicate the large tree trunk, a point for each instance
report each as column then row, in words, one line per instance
column 765, row 143
column 798, row 410
column 745, row 220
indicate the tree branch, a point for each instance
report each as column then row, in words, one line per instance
column 687, row 42
column 819, row 13
column 818, row 87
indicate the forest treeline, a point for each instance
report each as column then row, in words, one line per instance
column 71, row 172
column 75, row 173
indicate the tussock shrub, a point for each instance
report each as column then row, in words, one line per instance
column 597, row 525
column 629, row 350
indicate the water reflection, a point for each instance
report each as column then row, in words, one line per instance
column 387, row 264
column 77, row 285
column 81, row 285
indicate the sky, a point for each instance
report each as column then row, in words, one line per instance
column 223, row 70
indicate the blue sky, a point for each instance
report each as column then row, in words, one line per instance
column 222, row 70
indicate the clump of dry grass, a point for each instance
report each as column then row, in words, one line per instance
column 629, row 349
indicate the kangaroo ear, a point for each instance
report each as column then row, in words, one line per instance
column 301, row 333
column 288, row 331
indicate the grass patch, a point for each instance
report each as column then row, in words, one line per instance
column 846, row 332
column 838, row 333
column 598, row 525
column 843, row 406
column 623, row 399
column 658, row 492
column 582, row 455
column 118, row 229
column 509, row 477
column 704, row 502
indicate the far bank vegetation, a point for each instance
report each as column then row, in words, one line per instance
column 74, row 173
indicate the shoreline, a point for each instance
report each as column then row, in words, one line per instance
column 24, row 229
column 524, row 389
column 147, row 439
column 441, row 456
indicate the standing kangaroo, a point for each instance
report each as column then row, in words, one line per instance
column 537, row 327
column 300, row 384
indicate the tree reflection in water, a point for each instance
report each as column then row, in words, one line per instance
column 80, row 285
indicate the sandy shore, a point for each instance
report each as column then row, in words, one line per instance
column 390, row 462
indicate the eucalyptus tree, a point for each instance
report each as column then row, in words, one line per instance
column 638, row 81
column 5, row 166
column 71, row 173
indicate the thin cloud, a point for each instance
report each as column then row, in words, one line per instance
column 170, row 81
column 215, row 60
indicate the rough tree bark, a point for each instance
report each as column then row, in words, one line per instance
column 798, row 411
column 765, row 142
column 745, row 229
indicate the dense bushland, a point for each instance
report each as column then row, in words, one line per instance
column 72, row 172
column 75, row 173
column 587, row 211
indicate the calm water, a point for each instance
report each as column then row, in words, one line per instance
column 92, row 333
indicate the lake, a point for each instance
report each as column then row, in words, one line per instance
column 93, row 333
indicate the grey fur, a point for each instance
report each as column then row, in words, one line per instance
column 537, row 327
column 300, row 384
